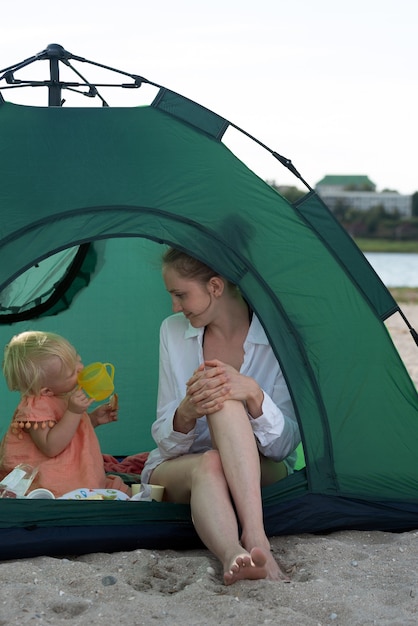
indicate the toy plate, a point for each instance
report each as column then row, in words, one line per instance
column 95, row 494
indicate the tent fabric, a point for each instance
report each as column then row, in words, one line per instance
column 49, row 287
column 125, row 181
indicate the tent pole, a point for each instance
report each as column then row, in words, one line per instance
column 54, row 52
column 412, row 330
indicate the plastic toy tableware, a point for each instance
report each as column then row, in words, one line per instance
column 97, row 381
column 18, row 481
column 94, row 494
column 41, row 494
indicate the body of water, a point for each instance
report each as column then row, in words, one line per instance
column 395, row 269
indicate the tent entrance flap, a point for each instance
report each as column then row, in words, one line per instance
column 48, row 286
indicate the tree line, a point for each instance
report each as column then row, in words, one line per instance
column 376, row 223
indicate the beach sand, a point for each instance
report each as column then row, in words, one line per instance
column 344, row 578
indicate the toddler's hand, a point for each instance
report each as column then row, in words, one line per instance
column 104, row 414
column 79, row 402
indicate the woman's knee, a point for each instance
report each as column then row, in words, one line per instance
column 209, row 464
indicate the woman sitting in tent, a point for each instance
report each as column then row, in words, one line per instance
column 225, row 421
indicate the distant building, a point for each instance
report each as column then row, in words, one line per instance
column 333, row 183
column 359, row 193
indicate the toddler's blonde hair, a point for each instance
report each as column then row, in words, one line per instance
column 26, row 358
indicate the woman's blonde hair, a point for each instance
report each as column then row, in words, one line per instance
column 26, row 357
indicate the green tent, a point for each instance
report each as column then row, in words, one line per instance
column 88, row 199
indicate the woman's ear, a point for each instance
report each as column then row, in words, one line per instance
column 216, row 286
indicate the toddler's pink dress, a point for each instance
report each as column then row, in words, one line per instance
column 79, row 465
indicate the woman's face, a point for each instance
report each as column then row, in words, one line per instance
column 190, row 297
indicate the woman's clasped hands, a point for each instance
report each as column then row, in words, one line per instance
column 215, row 382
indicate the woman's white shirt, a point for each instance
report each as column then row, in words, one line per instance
column 181, row 352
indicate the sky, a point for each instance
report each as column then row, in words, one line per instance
column 330, row 85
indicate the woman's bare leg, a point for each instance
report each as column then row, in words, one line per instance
column 208, row 480
column 233, row 437
column 199, row 478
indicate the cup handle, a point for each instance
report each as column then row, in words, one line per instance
column 112, row 370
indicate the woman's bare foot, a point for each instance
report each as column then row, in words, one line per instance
column 274, row 571
column 254, row 566
column 246, row 565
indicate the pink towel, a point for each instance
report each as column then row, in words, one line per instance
column 129, row 465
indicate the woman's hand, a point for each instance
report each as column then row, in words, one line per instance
column 214, row 382
column 207, row 389
column 211, row 385
column 204, row 395
column 103, row 414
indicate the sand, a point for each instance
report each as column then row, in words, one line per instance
column 344, row 578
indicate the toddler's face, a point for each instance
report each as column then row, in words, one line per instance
column 61, row 378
